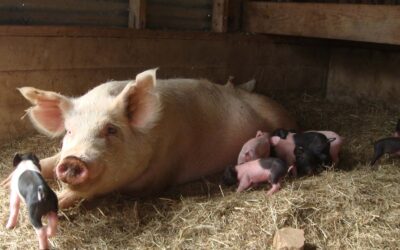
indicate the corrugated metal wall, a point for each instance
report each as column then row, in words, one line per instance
column 65, row 12
column 161, row 14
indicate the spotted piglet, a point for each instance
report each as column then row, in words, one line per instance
column 272, row 170
column 389, row 145
column 313, row 149
column 28, row 184
column 255, row 148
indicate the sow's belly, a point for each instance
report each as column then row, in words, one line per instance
column 215, row 152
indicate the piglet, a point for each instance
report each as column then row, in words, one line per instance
column 390, row 145
column 272, row 170
column 336, row 142
column 284, row 147
column 307, row 161
column 316, row 147
column 316, row 143
column 255, row 148
column 284, row 143
column 28, row 184
column 283, row 133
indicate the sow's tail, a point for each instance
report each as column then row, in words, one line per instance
column 41, row 193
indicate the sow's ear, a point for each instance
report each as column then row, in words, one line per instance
column 139, row 102
column 47, row 112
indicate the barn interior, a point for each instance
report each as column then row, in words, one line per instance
column 332, row 64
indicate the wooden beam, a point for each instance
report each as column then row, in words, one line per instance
column 137, row 14
column 220, row 16
column 355, row 22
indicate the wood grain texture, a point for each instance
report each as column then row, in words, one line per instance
column 137, row 14
column 220, row 16
column 364, row 74
column 356, row 22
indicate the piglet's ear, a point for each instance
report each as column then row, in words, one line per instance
column 139, row 101
column 48, row 110
column 275, row 140
column 35, row 160
column 17, row 159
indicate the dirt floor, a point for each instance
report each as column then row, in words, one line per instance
column 348, row 207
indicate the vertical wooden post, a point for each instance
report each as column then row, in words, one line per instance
column 235, row 15
column 137, row 14
column 220, row 16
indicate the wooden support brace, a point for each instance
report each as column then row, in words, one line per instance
column 137, row 14
column 220, row 16
column 354, row 22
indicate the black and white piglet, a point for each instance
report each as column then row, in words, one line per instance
column 28, row 184
column 251, row 173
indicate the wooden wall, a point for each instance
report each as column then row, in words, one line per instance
column 72, row 60
column 363, row 41
column 352, row 22
column 367, row 74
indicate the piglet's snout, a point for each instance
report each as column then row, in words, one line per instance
column 72, row 170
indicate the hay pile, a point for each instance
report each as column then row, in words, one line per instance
column 350, row 207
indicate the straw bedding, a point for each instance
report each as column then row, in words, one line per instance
column 347, row 207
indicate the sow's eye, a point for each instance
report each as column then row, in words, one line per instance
column 110, row 130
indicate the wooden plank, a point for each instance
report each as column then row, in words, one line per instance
column 74, row 31
column 55, row 53
column 220, row 16
column 176, row 23
column 137, row 14
column 355, row 22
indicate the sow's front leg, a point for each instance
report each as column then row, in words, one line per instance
column 68, row 198
column 48, row 165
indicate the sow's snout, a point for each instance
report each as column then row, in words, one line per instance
column 72, row 170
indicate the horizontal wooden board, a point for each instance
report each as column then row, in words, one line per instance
column 355, row 22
